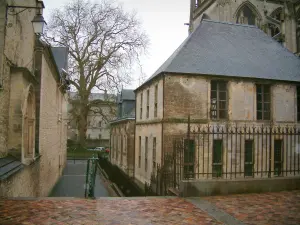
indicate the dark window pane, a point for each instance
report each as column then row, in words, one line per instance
column 277, row 157
column 217, row 151
column 258, row 88
column 189, row 149
column 214, row 94
column 188, row 171
column 266, row 115
column 259, row 106
column 213, row 85
column 248, row 169
column 248, row 151
column 222, row 95
column 222, row 105
column 259, row 115
column 267, row 97
column 277, row 150
column 267, row 107
column 222, row 114
column 217, row 170
column 259, row 97
column 222, row 86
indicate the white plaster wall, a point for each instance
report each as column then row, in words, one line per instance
column 150, row 131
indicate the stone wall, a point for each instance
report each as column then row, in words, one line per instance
column 52, row 128
column 185, row 95
column 25, row 183
column 151, row 88
column 122, row 151
column 143, row 173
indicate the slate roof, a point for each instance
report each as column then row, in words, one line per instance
column 225, row 49
column 127, row 94
column 61, row 57
column 8, row 166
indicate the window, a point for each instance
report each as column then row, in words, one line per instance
column 248, row 165
column 89, row 136
column 99, row 124
column 155, row 100
column 263, row 102
column 99, row 136
column 154, row 154
column 189, row 158
column 146, row 153
column 147, row 114
column 298, row 103
column 246, row 16
column 141, row 106
column 277, row 157
column 140, row 150
column 218, row 100
column 217, row 167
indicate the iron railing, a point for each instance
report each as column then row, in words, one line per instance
column 91, row 172
column 235, row 151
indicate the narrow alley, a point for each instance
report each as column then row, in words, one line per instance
column 72, row 182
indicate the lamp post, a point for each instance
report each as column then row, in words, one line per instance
column 38, row 21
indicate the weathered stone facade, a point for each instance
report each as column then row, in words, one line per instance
column 33, row 110
column 187, row 95
column 279, row 19
column 122, row 145
column 122, row 133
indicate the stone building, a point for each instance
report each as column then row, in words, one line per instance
column 122, row 133
column 98, row 131
column 224, row 77
column 279, row 19
column 33, row 106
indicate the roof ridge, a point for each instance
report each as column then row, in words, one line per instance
column 229, row 23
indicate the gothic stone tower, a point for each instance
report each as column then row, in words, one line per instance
column 278, row 18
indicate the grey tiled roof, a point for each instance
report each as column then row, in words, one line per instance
column 8, row 166
column 225, row 49
column 61, row 57
column 127, row 94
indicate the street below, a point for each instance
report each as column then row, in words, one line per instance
column 72, row 182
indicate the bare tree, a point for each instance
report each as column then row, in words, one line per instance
column 104, row 42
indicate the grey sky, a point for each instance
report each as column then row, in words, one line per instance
column 163, row 20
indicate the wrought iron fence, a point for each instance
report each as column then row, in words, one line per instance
column 234, row 151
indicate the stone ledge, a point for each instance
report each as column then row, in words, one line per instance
column 198, row 188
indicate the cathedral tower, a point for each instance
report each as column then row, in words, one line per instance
column 279, row 19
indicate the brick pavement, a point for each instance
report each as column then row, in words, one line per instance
column 103, row 211
column 265, row 208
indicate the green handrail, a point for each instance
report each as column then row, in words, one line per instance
column 90, row 177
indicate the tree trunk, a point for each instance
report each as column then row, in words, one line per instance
column 82, row 126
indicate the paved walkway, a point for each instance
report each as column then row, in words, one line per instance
column 72, row 182
column 270, row 208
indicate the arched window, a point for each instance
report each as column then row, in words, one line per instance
column 247, row 14
column 29, row 124
column 274, row 29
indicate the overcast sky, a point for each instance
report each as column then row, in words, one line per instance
column 163, row 21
